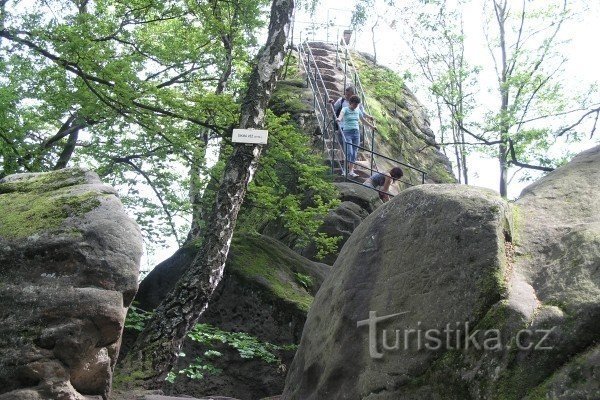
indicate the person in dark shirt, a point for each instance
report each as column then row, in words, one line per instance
column 381, row 182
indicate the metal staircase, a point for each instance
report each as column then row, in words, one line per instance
column 329, row 68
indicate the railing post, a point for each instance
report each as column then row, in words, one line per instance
column 323, row 138
column 344, row 172
column 345, row 67
column 372, row 147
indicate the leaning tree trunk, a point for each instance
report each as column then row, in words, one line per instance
column 155, row 351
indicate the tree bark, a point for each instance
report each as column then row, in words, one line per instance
column 501, row 16
column 155, row 351
column 67, row 152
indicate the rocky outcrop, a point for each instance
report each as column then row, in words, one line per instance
column 69, row 259
column 555, row 284
column 434, row 251
column 357, row 202
column 265, row 292
column 439, row 295
column 404, row 133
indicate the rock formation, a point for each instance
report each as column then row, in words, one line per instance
column 479, row 299
column 357, row 202
column 404, row 134
column 266, row 292
column 69, row 259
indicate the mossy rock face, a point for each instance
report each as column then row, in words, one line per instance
column 404, row 132
column 263, row 261
column 34, row 203
column 266, row 291
column 69, row 261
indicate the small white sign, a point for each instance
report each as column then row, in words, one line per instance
column 258, row 136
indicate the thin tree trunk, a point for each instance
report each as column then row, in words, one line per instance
column 373, row 38
column 503, row 170
column 196, row 190
column 67, row 153
column 463, row 153
column 156, row 348
column 500, row 8
column 456, row 139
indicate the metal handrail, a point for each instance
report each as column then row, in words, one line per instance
column 359, row 90
column 321, row 101
column 314, row 80
column 418, row 170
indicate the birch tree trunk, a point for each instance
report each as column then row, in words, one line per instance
column 155, row 351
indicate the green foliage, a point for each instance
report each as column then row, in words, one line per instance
column 291, row 186
column 135, row 86
column 248, row 346
column 198, row 368
column 136, row 318
column 304, row 280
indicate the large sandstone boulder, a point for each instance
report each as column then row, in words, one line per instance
column 493, row 302
column 357, row 202
column 434, row 251
column 69, row 259
column 266, row 292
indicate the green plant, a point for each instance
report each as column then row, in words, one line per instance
column 248, row 347
column 136, row 318
column 304, row 280
column 292, row 186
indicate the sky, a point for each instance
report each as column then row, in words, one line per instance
column 581, row 69
column 393, row 53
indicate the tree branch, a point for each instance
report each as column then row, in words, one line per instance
column 68, row 150
column 126, row 161
column 514, row 161
column 68, row 65
column 579, row 121
column 74, row 68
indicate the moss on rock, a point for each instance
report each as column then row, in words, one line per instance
column 41, row 202
column 288, row 97
column 43, row 182
column 264, row 262
column 401, row 124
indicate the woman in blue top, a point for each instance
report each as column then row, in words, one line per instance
column 350, row 118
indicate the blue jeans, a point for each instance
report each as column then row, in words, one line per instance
column 352, row 136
